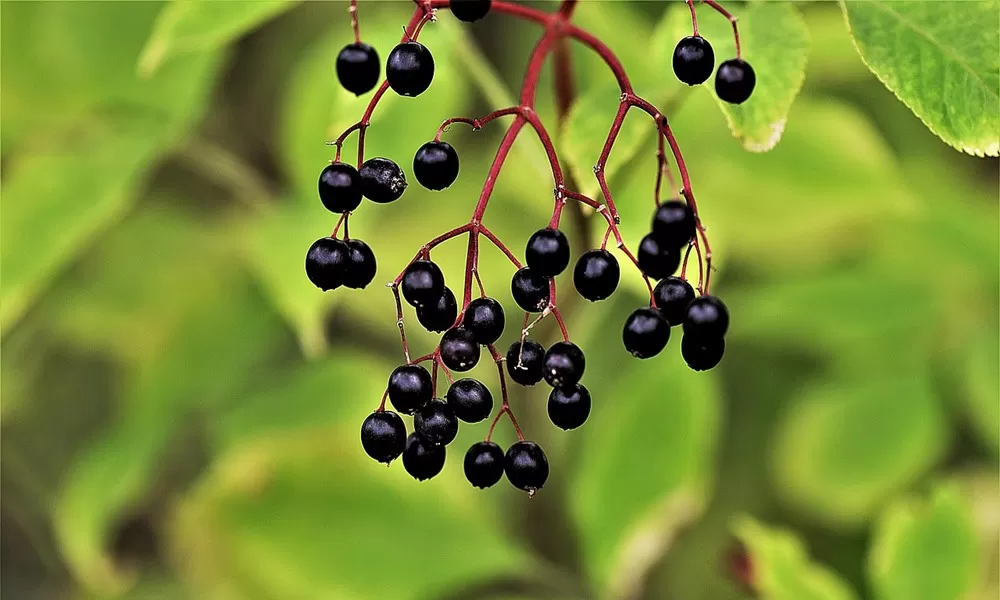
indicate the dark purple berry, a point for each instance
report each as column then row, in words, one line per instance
column 673, row 224
column 646, row 332
column 657, row 260
column 340, row 187
column 672, row 296
column 436, row 422
column 459, row 350
column 410, row 69
column 410, row 388
column 358, row 68
column 694, row 60
column 525, row 362
column 596, row 275
column 470, row 400
column 547, row 252
column 484, row 318
column 470, row 10
column 734, row 81
column 707, row 317
column 564, row 364
column 383, row 436
column 435, row 165
column 423, row 283
column 702, row 354
column 326, row 263
column 569, row 406
column 382, row 180
column 530, row 290
column 421, row 459
column 484, row 464
column 439, row 316
column 526, row 466
column 361, row 265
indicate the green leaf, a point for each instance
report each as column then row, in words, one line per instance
column 781, row 568
column 926, row 550
column 943, row 64
column 199, row 26
column 982, row 381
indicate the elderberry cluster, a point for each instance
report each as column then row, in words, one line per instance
column 694, row 60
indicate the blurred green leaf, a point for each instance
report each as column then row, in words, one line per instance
column 781, row 569
column 953, row 87
column 925, row 550
column 199, row 26
column 982, row 381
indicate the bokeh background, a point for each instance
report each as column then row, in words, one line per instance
column 181, row 408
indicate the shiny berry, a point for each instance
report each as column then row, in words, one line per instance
column 439, row 316
column 526, row 466
column 657, row 260
column 646, row 332
column 435, row 165
column 436, row 422
column 484, row 318
column 383, row 436
column 702, row 354
column 707, row 317
column 459, row 350
column 596, row 275
column 525, row 362
column 358, row 68
column 326, row 263
column 361, row 265
column 547, row 252
column 470, row 400
column 564, row 364
column 673, row 224
column 410, row 69
column 734, row 81
column 423, row 283
column 410, row 388
column 672, row 296
column 530, row 290
column 484, row 464
column 694, row 60
column 422, row 459
column 340, row 187
column 470, row 10
column 382, row 180
column 569, row 406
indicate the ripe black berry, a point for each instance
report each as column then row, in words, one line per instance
column 470, row 400
column 423, row 283
column 470, row 10
column 672, row 296
column 436, row 422
column 547, row 252
column 526, row 466
column 410, row 388
column 524, row 363
column 410, row 69
column 702, row 354
column 383, row 436
column 361, row 265
column 530, row 290
column 440, row 315
column 596, row 275
column 484, row 464
column 358, row 68
column 340, row 187
column 435, row 165
column 382, row 180
column 569, row 406
column 459, row 350
column 421, row 459
column 485, row 319
column 326, row 263
column 734, row 81
column 646, row 332
column 564, row 364
column 673, row 224
column 707, row 317
column 694, row 60
column 657, row 260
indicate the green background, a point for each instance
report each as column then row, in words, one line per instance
column 181, row 408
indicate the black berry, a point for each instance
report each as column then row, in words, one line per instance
column 596, row 275
column 694, row 60
column 485, row 319
column 673, row 224
column 470, row 10
column 383, row 436
column 657, row 260
column 530, row 290
column 439, row 316
column 646, row 332
column 459, row 350
column 326, row 263
column 707, row 317
column 435, row 165
column 564, row 364
column 702, row 354
column 382, row 180
column 526, row 466
column 340, row 187
column 484, row 464
column 436, row 422
column 569, row 406
column 410, row 388
column 421, row 459
column 410, row 69
column 361, row 265
column 470, row 400
column 734, row 81
column 525, row 362
column 358, row 68
column 423, row 283
column 672, row 296
column 547, row 252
